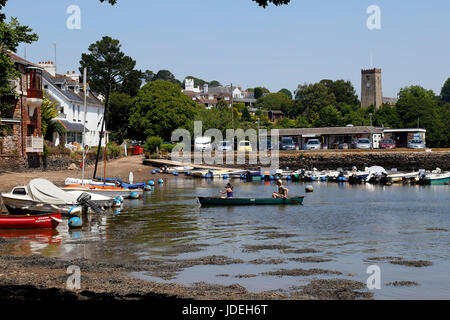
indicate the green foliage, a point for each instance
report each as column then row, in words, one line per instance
column 108, row 66
column 445, row 92
column 48, row 112
column 417, row 105
column 152, row 143
column 246, row 115
column 259, row 92
column 287, row 92
column 159, row 109
column 118, row 114
column 166, row 75
column 168, row 147
column 276, row 101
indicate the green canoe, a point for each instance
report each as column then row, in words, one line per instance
column 214, row 201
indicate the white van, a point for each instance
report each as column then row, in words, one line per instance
column 202, row 144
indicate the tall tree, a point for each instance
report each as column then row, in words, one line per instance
column 108, row 68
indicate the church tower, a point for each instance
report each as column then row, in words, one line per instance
column 371, row 88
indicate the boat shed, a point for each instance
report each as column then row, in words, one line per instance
column 332, row 137
column 403, row 137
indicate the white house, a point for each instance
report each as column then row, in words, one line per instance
column 66, row 92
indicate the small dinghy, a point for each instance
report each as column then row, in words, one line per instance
column 214, row 201
column 35, row 221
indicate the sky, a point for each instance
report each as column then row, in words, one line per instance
column 236, row 41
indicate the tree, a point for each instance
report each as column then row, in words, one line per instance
column 418, row 106
column 159, row 109
column 445, row 92
column 166, row 75
column 343, row 91
column 311, row 98
column 108, row 66
column 246, row 115
column 287, row 92
column 329, row 117
column 48, row 112
column 387, row 116
column 260, row 91
column 11, row 35
column 108, row 69
column 118, row 116
column 276, row 101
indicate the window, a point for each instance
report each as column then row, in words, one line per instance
column 73, row 112
column 79, row 115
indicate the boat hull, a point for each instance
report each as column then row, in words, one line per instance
column 104, row 191
column 213, row 201
column 16, row 206
column 48, row 221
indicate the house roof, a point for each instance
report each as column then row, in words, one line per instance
column 14, row 57
column 71, row 126
column 69, row 93
column 330, row 130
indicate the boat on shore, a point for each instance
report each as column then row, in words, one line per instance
column 42, row 196
column 36, row 221
column 215, row 201
column 434, row 178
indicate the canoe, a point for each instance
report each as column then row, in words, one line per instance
column 214, row 201
column 39, row 221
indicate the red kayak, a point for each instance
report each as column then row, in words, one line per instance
column 42, row 221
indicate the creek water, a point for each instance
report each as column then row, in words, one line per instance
column 339, row 227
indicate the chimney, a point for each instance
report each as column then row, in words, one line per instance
column 48, row 66
column 73, row 76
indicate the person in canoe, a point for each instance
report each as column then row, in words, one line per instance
column 282, row 191
column 228, row 191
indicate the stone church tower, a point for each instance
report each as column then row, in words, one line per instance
column 371, row 88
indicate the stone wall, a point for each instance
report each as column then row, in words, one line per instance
column 401, row 160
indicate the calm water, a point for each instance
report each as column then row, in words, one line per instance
column 347, row 224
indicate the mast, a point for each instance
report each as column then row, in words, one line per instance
column 105, row 112
column 84, row 123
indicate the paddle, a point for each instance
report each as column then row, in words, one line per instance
column 294, row 201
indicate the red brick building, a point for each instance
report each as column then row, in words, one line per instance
column 24, row 117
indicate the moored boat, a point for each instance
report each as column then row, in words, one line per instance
column 215, row 201
column 36, row 221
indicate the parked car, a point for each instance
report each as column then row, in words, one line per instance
column 343, row 145
column 313, row 144
column 245, row 146
column 363, row 143
column 202, row 144
column 387, row 144
column 416, row 144
column 224, row 146
column 287, row 143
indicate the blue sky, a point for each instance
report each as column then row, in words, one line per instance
column 236, row 41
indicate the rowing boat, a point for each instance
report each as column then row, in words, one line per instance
column 214, row 201
column 36, row 221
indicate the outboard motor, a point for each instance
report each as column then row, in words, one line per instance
column 84, row 200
